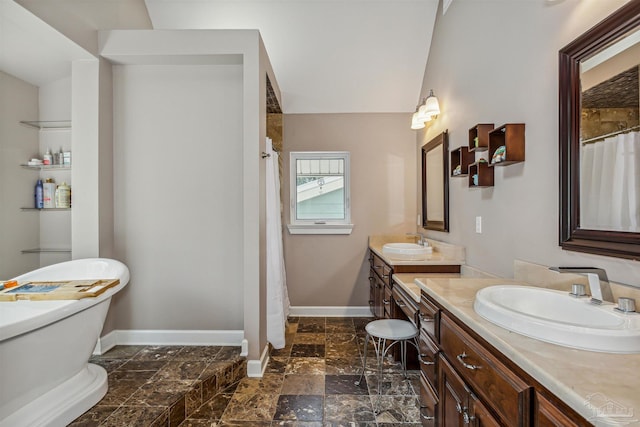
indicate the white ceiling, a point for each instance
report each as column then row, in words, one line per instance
column 328, row 56
column 32, row 50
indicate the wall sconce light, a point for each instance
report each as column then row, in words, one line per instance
column 428, row 109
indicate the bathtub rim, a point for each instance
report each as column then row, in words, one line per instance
column 67, row 307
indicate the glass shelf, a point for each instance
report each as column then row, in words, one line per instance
column 43, row 250
column 47, row 167
column 57, row 124
column 45, row 209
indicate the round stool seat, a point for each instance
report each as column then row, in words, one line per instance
column 392, row 329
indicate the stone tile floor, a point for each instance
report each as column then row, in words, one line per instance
column 309, row 383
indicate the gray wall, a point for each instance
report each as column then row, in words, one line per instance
column 18, row 143
column 495, row 61
column 178, row 196
column 332, row 270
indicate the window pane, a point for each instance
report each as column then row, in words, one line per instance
column 320, row 189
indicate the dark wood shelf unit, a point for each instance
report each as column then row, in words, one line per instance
column 461, row 156
column 485, row 175
column 511, row 136
column 481, row 131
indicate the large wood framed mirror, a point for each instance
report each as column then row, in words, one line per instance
column 600, row 138
column 435, row 183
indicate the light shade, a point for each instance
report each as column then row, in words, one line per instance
column 416, row 123
column 432, row 107
column 423, row 115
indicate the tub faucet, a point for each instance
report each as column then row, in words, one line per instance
column 423, row 239
column 598, row 282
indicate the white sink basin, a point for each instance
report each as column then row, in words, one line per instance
column 406, row 251
column 555, row 317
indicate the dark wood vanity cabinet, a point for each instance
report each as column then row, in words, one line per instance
column 466, row 382
column 379, row 284
column 381, row 299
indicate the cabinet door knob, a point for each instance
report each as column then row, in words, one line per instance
column 425, row 362
column 426, row 319
column 461, row 358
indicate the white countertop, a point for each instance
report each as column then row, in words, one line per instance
column 585, row 380
column 443, row 253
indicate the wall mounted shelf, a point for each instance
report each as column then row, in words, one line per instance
column 480, row 131
column 45, row 209
column 484, row 172
column 47, row 167
column 460, row 157
column 42, row 125
column 43, row 250
column 511, row 136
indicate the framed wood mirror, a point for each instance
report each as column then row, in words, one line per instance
column 435, row 183
column 600, row 138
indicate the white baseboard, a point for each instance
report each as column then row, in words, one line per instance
column 167, row 337
column 330, row 311
column 256, row 368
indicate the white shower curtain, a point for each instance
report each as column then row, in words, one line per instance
column 610, row 182
column 277, row 295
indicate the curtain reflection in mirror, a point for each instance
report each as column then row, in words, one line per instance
column 610, row 183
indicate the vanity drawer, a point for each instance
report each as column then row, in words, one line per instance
column 429, row 318
column 489, row 378
column 406, row 303
column 429, row 359
column 381, row 268
column 428, row 404
column 387, row 302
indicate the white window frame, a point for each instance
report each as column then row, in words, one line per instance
column 319, row 226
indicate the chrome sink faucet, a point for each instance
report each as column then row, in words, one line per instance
column 598, row 282
column 423, row 238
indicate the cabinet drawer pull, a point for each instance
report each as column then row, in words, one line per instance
column 377, row 267
column 385, row 301
column 427, row 417
column 461, row 358
column 425, row 319
column 425, row 362
column 401, row 303
column 385, row 276
column 466, row 418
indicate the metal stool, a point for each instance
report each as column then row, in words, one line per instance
column 394, row 330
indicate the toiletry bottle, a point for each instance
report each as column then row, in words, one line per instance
column 39, row 195
column 48, row 194
column 47, row 157
column 60, row 157
column 63, row 196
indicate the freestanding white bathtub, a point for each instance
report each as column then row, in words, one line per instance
column 45, row 377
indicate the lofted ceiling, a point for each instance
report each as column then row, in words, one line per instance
column 329, row 56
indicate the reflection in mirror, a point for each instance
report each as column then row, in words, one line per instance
column 600, row 137
column 435, row 183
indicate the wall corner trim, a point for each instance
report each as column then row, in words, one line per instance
column 116, row 337
column 256, row 368
column 330, row 311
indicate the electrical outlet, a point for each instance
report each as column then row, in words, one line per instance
column 479, row 224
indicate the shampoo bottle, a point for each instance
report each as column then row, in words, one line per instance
column 63, row 196
column 49, row 193
column 39, row 200
column 47, row 158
